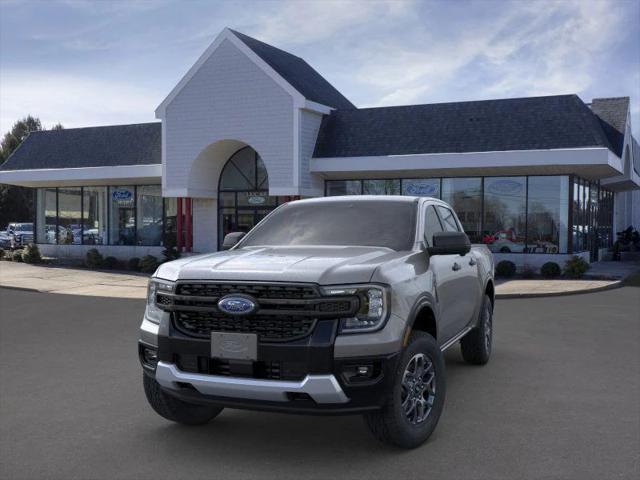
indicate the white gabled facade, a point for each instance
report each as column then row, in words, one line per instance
column 231, row 98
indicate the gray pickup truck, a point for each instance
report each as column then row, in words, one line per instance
column 338, row 305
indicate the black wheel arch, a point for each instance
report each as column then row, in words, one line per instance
column 423, row 317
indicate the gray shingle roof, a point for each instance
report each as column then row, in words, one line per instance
column 612, row 113
column 137, row 144
column 298, row 73
column 532, row 123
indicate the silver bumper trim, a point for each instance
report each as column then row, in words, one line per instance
column 321, row 388
column 149, row 332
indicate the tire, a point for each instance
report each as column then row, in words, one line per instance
column 391, row 425
column 476, row 345
column 174, row 409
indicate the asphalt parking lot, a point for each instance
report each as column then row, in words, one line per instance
column 559, row 399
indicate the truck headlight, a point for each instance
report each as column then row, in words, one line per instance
column 153, row 311
column 372, row 314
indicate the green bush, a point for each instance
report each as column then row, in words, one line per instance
column 134, row 264
column 550, row 270
column 148, row 264
column 94, row 258
column 528, row 271
column 31, row 254
column 506, row 269
column 110, row 263
column 1, row 254
column 17, row 256
column 576, row 267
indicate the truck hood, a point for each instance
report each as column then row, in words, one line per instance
column 322, row 265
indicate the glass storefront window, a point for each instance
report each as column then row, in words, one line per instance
column 344, row 187
column 421, row 187
column 122, row 217
column 505, row 214
column 70, row 216
column 149, row 215
column 46, row 216
column 94, row 205
column 548, row 214
column 465, row 196
column 381, row 187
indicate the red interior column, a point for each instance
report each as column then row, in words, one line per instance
column 188, row 229
column 179, row 224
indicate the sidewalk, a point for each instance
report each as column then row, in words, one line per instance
column 73, row 281
column 77, row 281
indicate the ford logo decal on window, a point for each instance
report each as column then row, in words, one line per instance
column 236, row 305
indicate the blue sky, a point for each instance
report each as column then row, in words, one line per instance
column 86, row 63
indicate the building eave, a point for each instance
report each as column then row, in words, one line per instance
column 593, row 163
column 48, row 177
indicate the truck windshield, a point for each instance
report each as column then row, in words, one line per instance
column 373, row 223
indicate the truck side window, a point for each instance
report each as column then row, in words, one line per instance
column 431, row 224
column 448, row 220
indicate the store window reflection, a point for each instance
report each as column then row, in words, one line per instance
column 94, row 201
column 70, row 216
column 344, row 187
column 149, row 215
column 47, row 216
column 465, row 196
column 505, row 214
column 381, row 187
column 548, row 215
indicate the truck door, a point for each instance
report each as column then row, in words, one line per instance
column 464, row 282
column 446, row 278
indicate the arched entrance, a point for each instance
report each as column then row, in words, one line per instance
column 243, row 198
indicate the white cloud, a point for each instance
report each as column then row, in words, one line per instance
column 530, row 48
column 295, row 22
column 73, row 101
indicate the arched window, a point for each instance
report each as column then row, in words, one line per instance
column 244, row 171
column 243, row 198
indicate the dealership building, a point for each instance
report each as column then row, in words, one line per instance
column 250, row 126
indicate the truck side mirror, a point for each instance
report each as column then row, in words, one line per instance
column 450, row 243
column 231, row 239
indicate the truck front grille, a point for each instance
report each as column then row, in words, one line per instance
column 284, row 312
column 268, row 327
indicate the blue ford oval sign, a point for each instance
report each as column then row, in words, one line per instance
column 236, row 305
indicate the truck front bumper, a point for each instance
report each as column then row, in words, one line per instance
column 308, row 379
column 320, row 388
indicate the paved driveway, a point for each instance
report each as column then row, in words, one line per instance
column 558, row 400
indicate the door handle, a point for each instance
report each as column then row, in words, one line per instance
column 456, row 266
column 472, row 261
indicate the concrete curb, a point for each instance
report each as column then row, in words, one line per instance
column 617, row 284
column 22, row 289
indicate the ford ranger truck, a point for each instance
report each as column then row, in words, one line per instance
column 338, row 305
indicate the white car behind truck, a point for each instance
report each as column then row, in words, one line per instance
column 339, row 305
column 16, row 235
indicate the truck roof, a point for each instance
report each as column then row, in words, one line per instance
column 361, row 198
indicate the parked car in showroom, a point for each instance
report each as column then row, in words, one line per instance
column 17, row 235
column 337, row 305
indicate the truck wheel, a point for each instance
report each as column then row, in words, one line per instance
column 414, row 404
column 476, row 345
column 174, row 409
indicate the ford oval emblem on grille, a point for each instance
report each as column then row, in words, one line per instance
column 236, row 305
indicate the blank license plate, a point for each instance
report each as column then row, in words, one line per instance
column 234, row 346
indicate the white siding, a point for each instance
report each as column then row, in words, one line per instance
column 205, row 225
column 310, row 185
column 229, row 98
